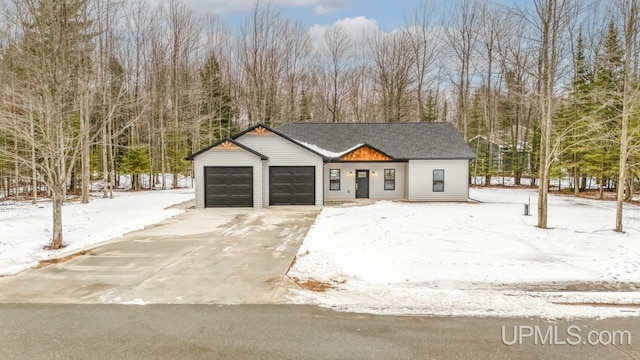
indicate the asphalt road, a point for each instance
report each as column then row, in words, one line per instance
column 278, row 332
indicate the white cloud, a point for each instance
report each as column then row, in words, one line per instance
column 358, row 29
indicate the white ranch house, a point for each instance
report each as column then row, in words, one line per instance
column 310, row 163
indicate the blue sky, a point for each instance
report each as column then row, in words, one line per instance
column 357, row 14
column 389, row 14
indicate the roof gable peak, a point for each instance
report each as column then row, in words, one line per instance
column 226, row 144
column 365, row 152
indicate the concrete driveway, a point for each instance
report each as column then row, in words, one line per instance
column 222, row 256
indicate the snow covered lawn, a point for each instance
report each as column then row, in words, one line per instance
column 25, row 228
column 474, row 259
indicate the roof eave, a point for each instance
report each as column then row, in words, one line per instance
column 356, row 148
column 436, row 158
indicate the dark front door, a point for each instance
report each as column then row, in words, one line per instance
column 228, row 186
column 292, row 185
column 362, row 184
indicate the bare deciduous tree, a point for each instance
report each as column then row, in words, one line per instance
column 394, row 58
column 426, row 45
column 461, row 36
column 55, row 47
column 336, row 64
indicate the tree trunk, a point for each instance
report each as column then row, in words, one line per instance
column 57, row 194
column 163, row 151
column 487, row 180
column 34, row 169
column 545, row 145
column 105, row 165
column 576, row 176
column 601, row 195
column 112, row 158
column 72, row 181
column 543, row 190
column 85, row 156
column 632, row 185
column 16, row 172
column 622, row 173
column 630, row 38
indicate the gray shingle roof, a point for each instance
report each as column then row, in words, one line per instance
column 417, row 140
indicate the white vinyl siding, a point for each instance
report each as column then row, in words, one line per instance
column 228, row 157
column 376, row 182
column 282, row 152
column 456, row 180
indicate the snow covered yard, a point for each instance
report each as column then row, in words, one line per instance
column 474, row 259
column 25, row 228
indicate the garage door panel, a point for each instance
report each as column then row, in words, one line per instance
column 292, row 185
column 228, row 186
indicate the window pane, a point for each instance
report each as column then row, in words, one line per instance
column 334, row 179
column 389, row 179
column 389, row 184
column 438, row 180
column 389, row 174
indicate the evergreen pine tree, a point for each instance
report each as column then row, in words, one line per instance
column 430, row 113
column 136, row 162
column 305, row 112
column 217, row 106
column 574, row 119
column 607, row 91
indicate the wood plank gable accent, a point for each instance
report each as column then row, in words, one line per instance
column 365, row 153
column 227, row 145
column 261, row 131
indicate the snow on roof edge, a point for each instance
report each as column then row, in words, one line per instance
column 325, row 152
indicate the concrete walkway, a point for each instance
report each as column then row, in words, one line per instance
column 222, row 256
